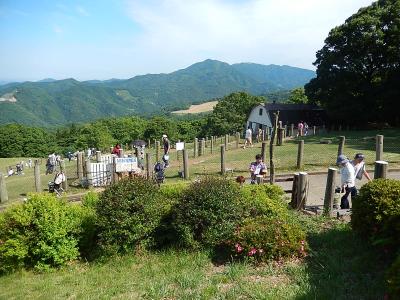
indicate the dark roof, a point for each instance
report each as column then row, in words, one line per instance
column 298, row 107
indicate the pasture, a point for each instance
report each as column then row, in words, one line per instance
column 197, row 108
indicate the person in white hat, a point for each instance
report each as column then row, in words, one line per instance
column 167, row 147
column 348, row 180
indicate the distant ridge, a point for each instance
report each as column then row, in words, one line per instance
column 56, row 102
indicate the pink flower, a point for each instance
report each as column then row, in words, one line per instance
column 238, row 248
column 252, row 252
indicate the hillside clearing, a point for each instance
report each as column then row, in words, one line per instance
column 198, row 108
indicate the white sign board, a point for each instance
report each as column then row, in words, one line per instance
column 126, row 164
column 180, row 146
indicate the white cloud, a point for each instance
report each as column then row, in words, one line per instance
column 264, row 31
column 82, row 11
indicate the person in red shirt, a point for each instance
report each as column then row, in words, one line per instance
column 116, row 149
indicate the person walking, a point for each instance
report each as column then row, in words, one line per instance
column 167, row 148
column 359, row 167
column 347, row 177
column 248, row 136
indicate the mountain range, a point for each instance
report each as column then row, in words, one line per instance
column 51, row 102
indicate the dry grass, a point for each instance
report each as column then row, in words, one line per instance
column 198, row 108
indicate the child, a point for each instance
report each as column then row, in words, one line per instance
column 347, row 180
column 257, row 168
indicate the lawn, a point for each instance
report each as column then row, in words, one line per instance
column 339, row 266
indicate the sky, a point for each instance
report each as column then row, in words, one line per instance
column 103, row 39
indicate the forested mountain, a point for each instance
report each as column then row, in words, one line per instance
column 49, row 102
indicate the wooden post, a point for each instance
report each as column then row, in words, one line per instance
column 341, row 145
column 38, row 184
column 114, row 175
column 3, row 189
column 148, row 165
column 89, row 176
column 292, row 130
column 271, row 150
column 279, row 141
column 314, row 130
column 203, row 146
column 212, row 144
column 267, row 133
column 98, row 156
column 121, row 153
column 185, row 165
column 157, row 151
column 330, row 191
column 380, row 169
column 79, row 162
column 262, row 135
column 264, row 151
column 293, row 202
column 226, row 142
column 200, row 148
column 149, row 143
column 379, row 147
column 285, row 132
column 62, row 168
column 111, row 149
column 302, row 189
column 300, row 152
column 223, row 159
column 195, row 145
column 237, row 140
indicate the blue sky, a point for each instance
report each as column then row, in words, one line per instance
column 102, row 39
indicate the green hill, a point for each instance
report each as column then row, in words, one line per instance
column 49, row 102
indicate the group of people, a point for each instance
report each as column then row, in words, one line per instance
column 349, row 172
column 19, row 168
column 302, row 129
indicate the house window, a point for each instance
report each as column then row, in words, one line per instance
column 260, row 111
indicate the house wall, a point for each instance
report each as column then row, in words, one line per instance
column 255, row 119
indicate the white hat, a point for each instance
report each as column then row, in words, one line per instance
column 164, row 135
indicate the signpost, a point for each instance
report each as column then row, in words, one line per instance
column 126, row 164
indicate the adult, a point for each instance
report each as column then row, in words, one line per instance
column 359, row 167
column 347, row 177
column 116, row 150
column 300, row 128
column 167, row 147
column 257, row 168
column 248, row 135
column 305, row 128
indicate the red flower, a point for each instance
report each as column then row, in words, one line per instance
column 252, row 252
column 238, row 248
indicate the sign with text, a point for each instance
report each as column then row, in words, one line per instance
column 180, row 146
column 125, row 164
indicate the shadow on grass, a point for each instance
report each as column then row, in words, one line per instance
column 342, row 266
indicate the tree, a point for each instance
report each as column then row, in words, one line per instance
column 359, row 65
column 297, row 96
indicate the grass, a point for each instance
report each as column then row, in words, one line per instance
column 339, row 266
column 198, row 108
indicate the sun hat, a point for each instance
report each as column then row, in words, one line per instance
column 342, row 159
column 164, row 135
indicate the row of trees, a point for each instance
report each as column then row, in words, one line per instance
column 229, row 116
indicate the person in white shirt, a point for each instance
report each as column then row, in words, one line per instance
column 248, row 136
column 359, row 167
column 348, row 178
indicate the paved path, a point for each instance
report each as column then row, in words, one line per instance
column 318, row 183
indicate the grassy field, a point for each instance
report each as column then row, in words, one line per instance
column 339, row 266
column 198, row 108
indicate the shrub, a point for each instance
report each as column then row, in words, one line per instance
column 88, row 236
column 207, row 212
column 269, row 237
column 376, row 212
column 128, row 212
column 41, row 233
column 393, row 279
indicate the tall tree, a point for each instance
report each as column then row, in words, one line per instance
column 359, row 65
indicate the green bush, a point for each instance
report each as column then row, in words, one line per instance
column 41, row 233
column 208, row 212
column 127, row 214
column 269, row 237
column 376, row 212
column 88, row 236
column 393, row 279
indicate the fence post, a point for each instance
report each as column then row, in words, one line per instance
column 200, row 148
column 79, row 162
column 285, row 132
column 264, row 151
column 157, row 151
column 293, row 202
column 195, row 145
column 186, row 164
column 98, row 156
column 65, row 182
column 314, row 130
column 279, row 140
column 226, row 142
column 379, row 147
column 149, row 143
column 121, row 153
column 212, row 144
column 341, row 144
column 148, row 165
column 302, row 190
column 89, row 176
column 203, row 146
column 237, row 140
column 38, row 184
column 267, row 133
column 223, row 159
column 300, row 154
column 380, row 169
column 330, row 191
column 292, row 130
column 3, row 189
column 113, row 174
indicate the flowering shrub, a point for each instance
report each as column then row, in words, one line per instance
column 41, row 233
column 269, row 237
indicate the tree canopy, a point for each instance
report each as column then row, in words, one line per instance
column 358, row 68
